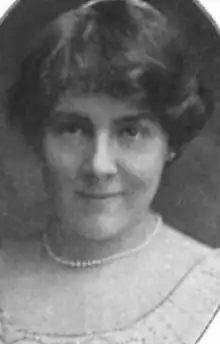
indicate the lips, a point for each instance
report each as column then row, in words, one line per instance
column 99, row 195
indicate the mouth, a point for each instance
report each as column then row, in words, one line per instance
column 98, row 196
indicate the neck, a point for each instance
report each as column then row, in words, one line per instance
column 70, row 246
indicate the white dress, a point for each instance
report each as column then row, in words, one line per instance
column 188, row 315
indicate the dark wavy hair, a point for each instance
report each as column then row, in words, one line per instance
column 125, row 49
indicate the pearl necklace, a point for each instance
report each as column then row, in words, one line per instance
column 92, row 263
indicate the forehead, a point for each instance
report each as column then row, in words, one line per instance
column 96, row 105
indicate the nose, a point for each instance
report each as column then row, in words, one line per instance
column 101, row 160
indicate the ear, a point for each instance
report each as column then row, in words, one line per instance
column 171, row 155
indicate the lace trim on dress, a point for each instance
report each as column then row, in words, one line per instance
column 180, row 319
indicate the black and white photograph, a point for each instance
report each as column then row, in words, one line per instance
column 109, row 171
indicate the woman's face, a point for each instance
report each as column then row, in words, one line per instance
column 105, row 158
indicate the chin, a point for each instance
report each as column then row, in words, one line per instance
column 100, row 228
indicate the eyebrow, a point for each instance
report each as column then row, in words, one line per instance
column 136, row 118
column 71, row 115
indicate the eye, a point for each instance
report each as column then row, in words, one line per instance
column 132, row 131
column 72, row 127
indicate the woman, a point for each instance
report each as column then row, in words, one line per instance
column 108, row 95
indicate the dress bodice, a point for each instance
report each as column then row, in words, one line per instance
column 183, row 317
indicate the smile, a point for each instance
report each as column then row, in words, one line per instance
column 98, row 196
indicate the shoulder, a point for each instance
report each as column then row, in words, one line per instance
column 204, row 275
column 178, row 242
column 205, row 296
column 199, row 293
column 192, row 304
column 194, row 300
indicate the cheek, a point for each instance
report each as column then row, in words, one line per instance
column 63, row 157
column 146, row 166
column 62, row 165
